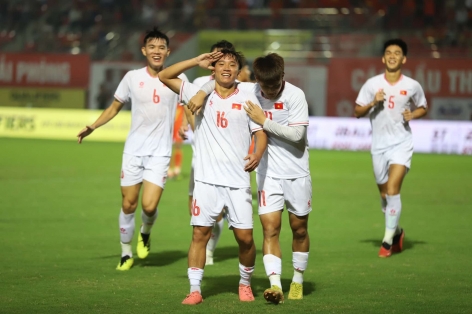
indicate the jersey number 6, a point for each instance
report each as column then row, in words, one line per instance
column 195, row 208
column 155, row 97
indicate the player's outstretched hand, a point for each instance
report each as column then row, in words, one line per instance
column 195, row 103
column 205, row 60
column 252, row 162
column 183, row 132
column 85, row 132
column 255, row 113
column 407, row 115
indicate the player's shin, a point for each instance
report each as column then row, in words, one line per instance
column 126, row 222
column 246, row 274
column 195, row 276
column 392, row 217
column 300, row 262
column 148, row 221
column 273, row 268
column 383, row 204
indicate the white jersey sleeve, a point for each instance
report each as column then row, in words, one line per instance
column 247, row 87
column 298, row 113
column 123, row 91
column 418, row 98
column 366, row 94
column 187, row 91
column 253, row 125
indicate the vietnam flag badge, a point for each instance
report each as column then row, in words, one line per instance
column 236, row 106
column 279, row 105
column 403, row 92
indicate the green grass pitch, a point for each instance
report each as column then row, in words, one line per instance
column 59, row 239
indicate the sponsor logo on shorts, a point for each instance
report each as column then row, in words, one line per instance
column 122, row 230
column 122, row 174
column 309, row 203
column 393, row 211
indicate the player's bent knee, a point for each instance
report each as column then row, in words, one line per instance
column 201, row 234
column 300, row 233
column 129, row 207
column 271, row 232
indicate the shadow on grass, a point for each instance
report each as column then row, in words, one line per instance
column 407, row 243
column 156, row 259
column 214, row 285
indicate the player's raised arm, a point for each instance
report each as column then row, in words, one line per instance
column 104, row 118
column 169, row 76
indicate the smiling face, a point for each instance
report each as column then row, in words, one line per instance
column 156, row 52
column 226, row 70
column 393, row 58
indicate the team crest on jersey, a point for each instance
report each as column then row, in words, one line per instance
column 211, row 102
column 279, row 105
column 141, row 84
column 403, row 92
column 236, row 106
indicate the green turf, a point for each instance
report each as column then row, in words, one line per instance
column 60, row 242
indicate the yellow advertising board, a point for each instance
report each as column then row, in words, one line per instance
column 61, row 124
column 42, row 97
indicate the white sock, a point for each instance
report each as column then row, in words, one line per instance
column 126, row 227
column 126, row 249
column 300, row 262
column 383, row 203
column 215, row 235
column 273, row 268
column 148, row 222
column 392, row 217
column 246, row 274
column 195, row 276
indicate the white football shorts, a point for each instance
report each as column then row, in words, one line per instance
column 273, row 193
column 135, row 169
column 399, row 154
column 209, row 199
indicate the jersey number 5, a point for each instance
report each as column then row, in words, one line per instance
column 221, row 121
column 155, row 97
column 391, row 104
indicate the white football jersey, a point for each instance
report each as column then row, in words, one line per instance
column 153, row 108
column 283, row 158
column 222, row 137
column 388, row 126
column 199, row 81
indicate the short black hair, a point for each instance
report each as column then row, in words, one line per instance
column 238, row 57
column 223, row 44
column 155, row 34
column 396, row 42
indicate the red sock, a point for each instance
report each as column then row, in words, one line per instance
column 178, row 159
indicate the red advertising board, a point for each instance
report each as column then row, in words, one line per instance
column 44, row 70
column 447, row 84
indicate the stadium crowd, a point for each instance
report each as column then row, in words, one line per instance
column 96, row 27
